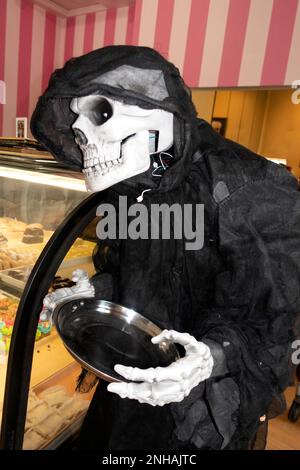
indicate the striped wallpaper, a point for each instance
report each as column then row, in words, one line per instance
column 215, row 43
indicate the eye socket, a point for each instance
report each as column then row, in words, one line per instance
column 100, row 112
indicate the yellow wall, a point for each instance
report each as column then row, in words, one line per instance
column 265, row 121
column 281, row 133
column 244, row 111
column 204, row 102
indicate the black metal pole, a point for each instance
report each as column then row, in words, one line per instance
column 27, row 317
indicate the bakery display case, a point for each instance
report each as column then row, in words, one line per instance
column 45, row 213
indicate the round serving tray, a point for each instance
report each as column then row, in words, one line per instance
column 100, row 334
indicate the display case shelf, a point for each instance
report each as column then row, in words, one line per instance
column 37, row 191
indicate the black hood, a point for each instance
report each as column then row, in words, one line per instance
column 136, row 75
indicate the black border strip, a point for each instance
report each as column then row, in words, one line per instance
column 27, row 317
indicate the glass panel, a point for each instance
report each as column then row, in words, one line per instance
column 32, row 205
column 55, row 409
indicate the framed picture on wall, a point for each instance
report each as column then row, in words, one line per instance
column 21, row 127
column 219, row 125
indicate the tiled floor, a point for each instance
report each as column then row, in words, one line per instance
column 284, row 435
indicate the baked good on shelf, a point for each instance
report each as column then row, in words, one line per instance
column 33, row 233
column 33, row 401
column 33, row 440
column 3, row 239
column 37, row 413
column 73, row 407
column 48, row 413
column 55, row 396
column 12, row 259
column 8, row 309
column 8, row 224
column 50, row 425
column 5, row 261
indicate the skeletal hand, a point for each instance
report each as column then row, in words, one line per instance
column 162, row 385
column 82, row 288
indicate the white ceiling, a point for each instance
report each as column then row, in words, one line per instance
column 74, row 4
column 77, row 7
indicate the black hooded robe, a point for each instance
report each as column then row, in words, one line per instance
column 240, row 290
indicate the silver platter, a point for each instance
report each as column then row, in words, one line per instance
column 100, row 334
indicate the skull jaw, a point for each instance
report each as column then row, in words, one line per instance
column 135, row 160
column 99, row 182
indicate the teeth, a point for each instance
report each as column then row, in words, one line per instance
column 95, row 161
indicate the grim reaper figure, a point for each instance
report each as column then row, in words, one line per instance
column 124, row 117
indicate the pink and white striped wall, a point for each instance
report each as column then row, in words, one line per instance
column 215, row 43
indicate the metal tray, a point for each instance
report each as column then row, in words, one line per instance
column 100, row 334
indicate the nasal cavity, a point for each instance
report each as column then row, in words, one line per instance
column 80, row 137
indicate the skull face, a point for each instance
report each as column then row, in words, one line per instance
column 114, row 138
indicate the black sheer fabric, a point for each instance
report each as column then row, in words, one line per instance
column 240, row 291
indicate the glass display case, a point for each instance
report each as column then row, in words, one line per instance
column 36, row 196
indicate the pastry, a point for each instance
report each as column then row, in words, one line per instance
column 33, row 234
column 8, row 309
column 54, row 396
column 72, row 408
column 32, row 440
column 5, row 261
column 36, row 414
column 10, row 259
column 3, row 239
column 50, row 425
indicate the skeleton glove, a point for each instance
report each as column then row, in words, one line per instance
column 162, row 385
column 82, row 288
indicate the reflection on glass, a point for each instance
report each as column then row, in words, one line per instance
column 30, row 212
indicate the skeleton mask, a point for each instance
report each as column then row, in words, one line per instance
column 115, row 138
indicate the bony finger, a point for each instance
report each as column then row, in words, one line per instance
column 79, row 274
column 172, row 335
column 208, row 357
column 185, row 339
column 163, row 389
column 124, row 371
column 118, row 388
column 206, row 351
column 171, row 372
column 178, row 370
column 75, row 277
column 188, row 364
column 197, row 347
column 130, row 390
column 48, row 299
column 158, row 374
column 138, row 391
column 136, row 374
column 163, row 336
